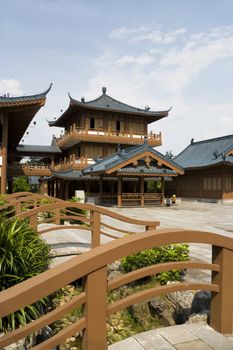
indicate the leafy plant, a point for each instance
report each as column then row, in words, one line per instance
column 72, row 211
column 163, row 254
column 23, row 254
column 6, row 212
column 21, row 184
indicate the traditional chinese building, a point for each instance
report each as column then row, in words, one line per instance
column 208, row 166
column 16, row 113
column 93, row 132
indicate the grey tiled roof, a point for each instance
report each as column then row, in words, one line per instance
column 107, row 103
column 206, row 153
column 6, row 100
column 143, row 169
column 37, row 149
column 124, row 155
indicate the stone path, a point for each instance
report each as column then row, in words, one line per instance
column 182, row 337
column 199, row 216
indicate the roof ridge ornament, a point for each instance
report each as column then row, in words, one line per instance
column 104, row 90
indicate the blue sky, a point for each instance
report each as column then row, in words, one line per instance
column 175, row 53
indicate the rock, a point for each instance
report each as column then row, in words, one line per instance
column 198, row 318
column 114, row 274
column 182, row 302
column 162, row 309
column 201, row 302
column 115, row 266
column 140, row 312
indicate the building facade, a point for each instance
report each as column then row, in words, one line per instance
column 93, row 131
column 208, row 166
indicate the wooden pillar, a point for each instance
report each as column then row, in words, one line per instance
column 4, row 154
column 141, row 179
column 66, row 190
column 52, row 188
column 42, row 187
column 48, row 188
column 162, row 190
column 101, row 189
column 95, row 310
column 221, row 306
column 56, row 188
column 119, row 197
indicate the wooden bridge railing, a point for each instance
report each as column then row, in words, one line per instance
column 87, row 217
column 92, row 268
column 22, row 201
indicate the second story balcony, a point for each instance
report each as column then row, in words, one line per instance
column 76, row 135
column 27, row 169
column 72, row 163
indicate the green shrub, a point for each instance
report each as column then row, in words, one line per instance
column 168, row 253
column 23, row 254
column 7, row 212
column 72, row 211
column 20, row 184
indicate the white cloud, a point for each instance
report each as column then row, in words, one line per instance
column 161, row 75
column 146, row 33
column 10, row 86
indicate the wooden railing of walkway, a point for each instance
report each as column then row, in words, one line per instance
column 21, row 201
column 86, row 217
column 92, row 268
column 92, row 220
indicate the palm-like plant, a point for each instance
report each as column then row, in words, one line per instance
column 23, row 254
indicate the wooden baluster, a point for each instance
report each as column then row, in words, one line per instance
column 95, row 229
column 95, row 310
column 33, row 221
column 221, row 308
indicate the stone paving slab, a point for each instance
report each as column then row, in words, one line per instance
column 182, row 337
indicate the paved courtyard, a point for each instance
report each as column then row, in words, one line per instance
column 215, row 218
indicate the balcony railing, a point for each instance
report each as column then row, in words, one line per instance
column 73, row 163
column 29, row 170
column 75, row 135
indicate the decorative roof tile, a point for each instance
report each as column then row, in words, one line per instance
column 6, row 101
column 122, row 156
column 107, row 103
column 206, row 153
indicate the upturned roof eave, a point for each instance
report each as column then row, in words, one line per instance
column 60, row 122
column 24, row 100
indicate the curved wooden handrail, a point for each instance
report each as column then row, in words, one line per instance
column 158, row 268
column 92, row 266
column 49, row 281
column 153, row 292
column 90, row 207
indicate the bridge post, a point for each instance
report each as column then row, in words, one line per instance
column 95, row 229
column 221, row 309
column 95, row 310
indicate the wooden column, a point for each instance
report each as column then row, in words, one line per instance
column 66, row 190
column 42, row 187
column 4, row 154
column 119, row 197
column 56, row 188
column 95, row 310
column 141, row 179
column 52, row 188
column 221, row 306
column 101, row 189
column 162, row 189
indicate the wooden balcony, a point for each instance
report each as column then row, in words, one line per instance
column 73, row 163
column 76, row 135
column 28, row 170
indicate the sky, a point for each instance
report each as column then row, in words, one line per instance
column 152, row 53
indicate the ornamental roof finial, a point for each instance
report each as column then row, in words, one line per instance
column 104, row 89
